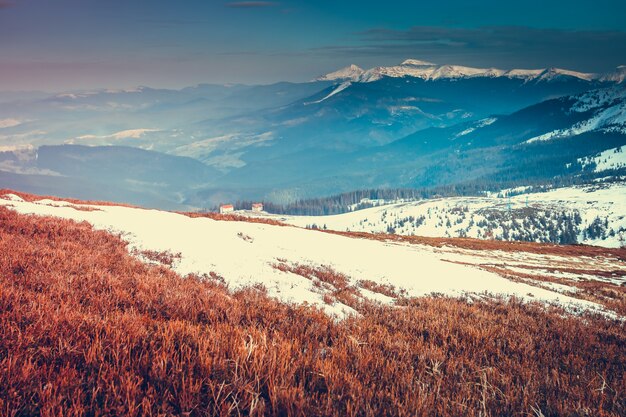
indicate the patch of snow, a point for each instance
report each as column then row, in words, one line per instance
column 478, row 125
column 509, row 192
column 12, row 197
column 337, row 90
column 547, row 136
column 375, row 296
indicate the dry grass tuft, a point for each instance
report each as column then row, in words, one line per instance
column 164, row 258
column 388, row 290
column 233, row 218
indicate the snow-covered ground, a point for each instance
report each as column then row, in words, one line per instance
column 246, row 254
column 594, row 215
column 610, row 159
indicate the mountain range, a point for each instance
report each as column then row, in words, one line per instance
column 416, row 124
column 429, row 71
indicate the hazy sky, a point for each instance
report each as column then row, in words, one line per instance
column 74, row 44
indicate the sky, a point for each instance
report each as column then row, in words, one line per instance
column 55, row 45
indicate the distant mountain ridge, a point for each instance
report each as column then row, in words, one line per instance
column 417, row 124
column 494, row 150
column 430, row 71
column 114, row 173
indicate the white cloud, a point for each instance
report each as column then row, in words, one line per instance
column 4, row 123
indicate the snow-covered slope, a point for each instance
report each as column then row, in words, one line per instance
column 607, row 113
column 245, row 254
column 593, row 215
column 430, row 71
column 608, row 160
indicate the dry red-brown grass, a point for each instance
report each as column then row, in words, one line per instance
column 233, row 218
column 385, row 289
column 86, row 330
column 164, row 258
column 480, row 244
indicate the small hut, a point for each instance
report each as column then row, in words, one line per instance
column 226, row 208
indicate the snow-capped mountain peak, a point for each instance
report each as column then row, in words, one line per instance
column 429, row 71
column 553, row 73
column 524, row 73
column 418, row 63
column 457, row 71
column 351, row 72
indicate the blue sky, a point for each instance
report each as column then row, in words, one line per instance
column 76, row 44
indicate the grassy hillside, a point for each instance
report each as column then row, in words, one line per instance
column 86, row 329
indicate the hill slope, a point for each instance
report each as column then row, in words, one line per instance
column 87, row 329
column 594, row 214
column 287, row 260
